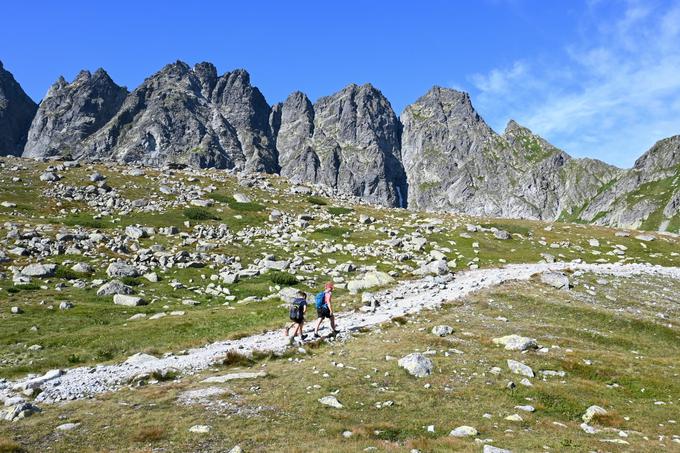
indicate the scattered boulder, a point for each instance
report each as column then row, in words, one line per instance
column 19, row 411
column 463, row 431
column 241, row 198
column 118, row 270
column 128, row 301
column 82, row 268
column 520, row 368
column 592, row 412
column 416, row 364
column 114, row 287
column 200, row 429
column 502, row 235
column 331, row 401
column 557, row 280
column 39, row 270
column 516, row 342
column 442, row 331
column 369, row 280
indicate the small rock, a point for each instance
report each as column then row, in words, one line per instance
column 463, row 431
column 520, row 368
column 200, row 429
column 331, row 401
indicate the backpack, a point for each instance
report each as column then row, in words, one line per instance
column 320, row 299
column 296, row 313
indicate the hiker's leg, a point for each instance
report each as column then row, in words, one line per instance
column 318, row 324
column 333, row 322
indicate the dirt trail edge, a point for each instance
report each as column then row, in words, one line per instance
column 404, row 298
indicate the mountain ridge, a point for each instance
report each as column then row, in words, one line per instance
column 439, row 154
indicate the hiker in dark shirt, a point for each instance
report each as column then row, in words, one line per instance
column 298, row 308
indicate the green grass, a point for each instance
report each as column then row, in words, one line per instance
column 245, row 207
column 334, row 210
column 460, row 391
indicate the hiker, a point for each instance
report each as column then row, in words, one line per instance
column 324, row 308
column 298, row 308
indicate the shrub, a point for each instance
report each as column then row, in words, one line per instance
column 199, row 214
column 233, row 358
column 131, row 281
column 27, row 287
column 317, row 201
column 9, row 446
column 283, row 278
column 335, row 210
column 65, row 273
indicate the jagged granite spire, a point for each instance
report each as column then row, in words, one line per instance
column 71, row 112
column 16, row 112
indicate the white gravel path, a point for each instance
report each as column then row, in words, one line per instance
column 404, row 298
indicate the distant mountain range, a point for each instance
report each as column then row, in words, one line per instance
column 439, row 155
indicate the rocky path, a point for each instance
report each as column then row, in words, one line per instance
column 405, row 298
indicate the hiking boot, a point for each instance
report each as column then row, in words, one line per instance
column 304, row 337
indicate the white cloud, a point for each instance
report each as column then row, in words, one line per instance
column 610, row 97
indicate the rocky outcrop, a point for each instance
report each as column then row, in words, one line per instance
column 71, row 112
column 454, row 161
column 646, row 196
column 349, row 141
column 178, row 115
column 16, row 112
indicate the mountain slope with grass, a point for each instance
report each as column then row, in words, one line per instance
column 158, row 296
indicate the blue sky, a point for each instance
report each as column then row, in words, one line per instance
column 598, row 78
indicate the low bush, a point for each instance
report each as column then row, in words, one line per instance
column 283, row 278
column 199, row 214
column 317, row 201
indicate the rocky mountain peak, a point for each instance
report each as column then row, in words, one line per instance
column 16, row 112
column 665, row 154
column 71, row 112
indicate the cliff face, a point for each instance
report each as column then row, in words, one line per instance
column 71, row 112
column 180, row 115
column 455, row 161
column 349, row 140
column 16, row 112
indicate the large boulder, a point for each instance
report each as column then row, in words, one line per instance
column 114, row 287
column 39, row 270
column 557, row 280
column 516, row 342
column 118, row 269
column 416, row 364
column 369, row 280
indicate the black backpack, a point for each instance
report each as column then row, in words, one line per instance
column 296, row 313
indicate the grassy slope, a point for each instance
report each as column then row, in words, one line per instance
column 632, row 348
column 96, row 331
